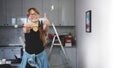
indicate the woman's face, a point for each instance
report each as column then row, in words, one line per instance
column 33, row 16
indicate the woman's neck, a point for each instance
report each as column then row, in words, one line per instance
column 35, row 26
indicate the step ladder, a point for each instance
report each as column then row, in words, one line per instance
column 56, row 36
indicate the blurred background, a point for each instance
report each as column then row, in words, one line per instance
column 96, row 49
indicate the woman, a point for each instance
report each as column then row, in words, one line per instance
column 34, row 55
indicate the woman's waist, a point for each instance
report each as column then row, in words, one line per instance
column 28, row 54
column 34, row 49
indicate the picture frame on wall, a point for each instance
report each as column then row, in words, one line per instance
column 88, row 15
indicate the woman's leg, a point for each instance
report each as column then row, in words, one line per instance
column 23, row 62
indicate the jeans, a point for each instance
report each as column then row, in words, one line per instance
column 39, row 61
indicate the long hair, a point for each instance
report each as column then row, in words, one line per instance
column 43, row 35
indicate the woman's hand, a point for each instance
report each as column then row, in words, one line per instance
column 27, row 27
column 46, row 23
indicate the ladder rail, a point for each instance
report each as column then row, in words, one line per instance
column 53, row 43
column 58, row 41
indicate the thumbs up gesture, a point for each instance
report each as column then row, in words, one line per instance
column 46, row 21
column 45, row 15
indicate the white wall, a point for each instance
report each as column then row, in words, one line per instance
column 101, row 48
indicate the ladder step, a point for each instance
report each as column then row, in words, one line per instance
column 56, row 44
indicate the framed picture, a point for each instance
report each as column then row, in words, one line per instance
column 88, row 21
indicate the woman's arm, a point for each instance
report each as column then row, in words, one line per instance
column 27, row 27
column 46, row 23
